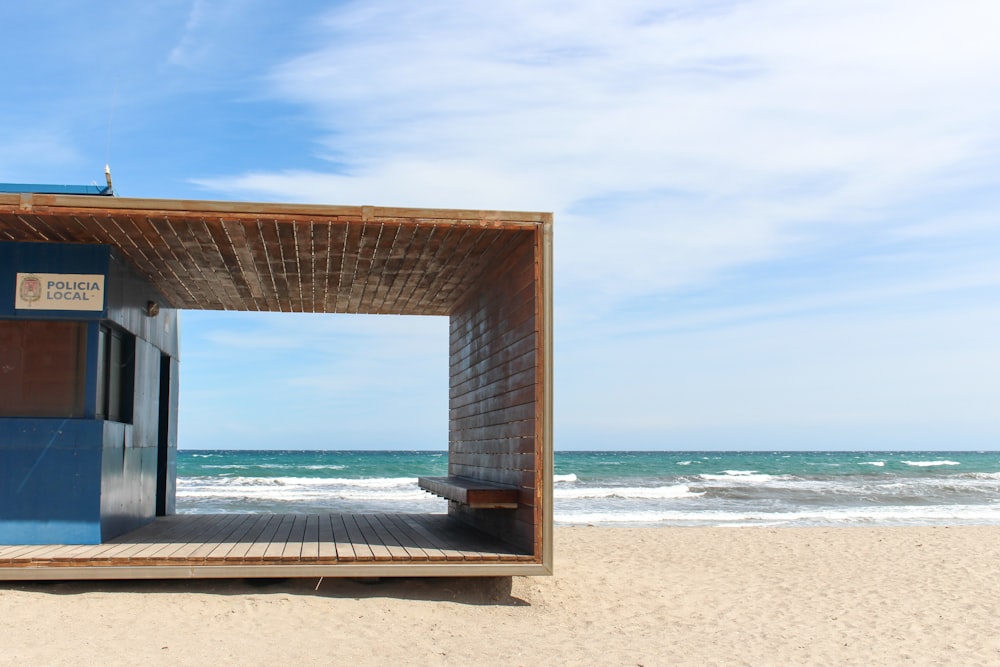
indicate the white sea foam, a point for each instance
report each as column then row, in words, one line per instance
column 684, row 463
column 927, row 464
column 879, row 464
column 244, row 466
column 564, row 478
column 905, row 515
column 739, row 477
column 985, row 475
column 626, row 492
column 300, row 489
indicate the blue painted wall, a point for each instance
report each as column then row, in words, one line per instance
column 84, row 481
column 51, row 481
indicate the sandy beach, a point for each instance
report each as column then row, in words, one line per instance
column 620, row 596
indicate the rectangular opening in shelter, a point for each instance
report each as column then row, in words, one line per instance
column 284, row 412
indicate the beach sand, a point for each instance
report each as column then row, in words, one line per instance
column 620, row 596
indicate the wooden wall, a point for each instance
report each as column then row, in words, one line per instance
column 494, row 393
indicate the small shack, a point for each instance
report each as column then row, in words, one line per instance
column 90, row 287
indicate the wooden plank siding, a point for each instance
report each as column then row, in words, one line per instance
column 493, row 427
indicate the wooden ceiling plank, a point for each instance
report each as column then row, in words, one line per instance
column 186, row 265
column 320, row 237
column 80, row 232
column 290, row 268
column 256, row 245
column 90, row 230
column 339, row 234
column 36, row 228
column 465, row 259
column 239, row 288
column 430, row 267
column 489, row 262
column 306, row 258
column 408, row 272
column 31, row 229
column 275, row 261
column 380, row 253
column 305, row 239
column 226, row 277
column 474, row 263
column 239, row 261
column 366, row 258
column 454, row 269
column 117, row 228
column 349, row 266
column 389, row 273
column 146, row 257
column 169, row 246
column 236, row 232
column 204, row 267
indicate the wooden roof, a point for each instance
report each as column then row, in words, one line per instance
column 282, row 257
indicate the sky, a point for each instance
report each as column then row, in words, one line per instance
column 777, row 223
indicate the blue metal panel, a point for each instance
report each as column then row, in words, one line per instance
column 48, row 531
column 50, row 481
column 48, row 189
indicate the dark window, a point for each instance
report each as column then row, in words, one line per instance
column 115, row 374
column 42, row 368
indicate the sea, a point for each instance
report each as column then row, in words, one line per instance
column 623, row 488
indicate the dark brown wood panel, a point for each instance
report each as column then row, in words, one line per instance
column 492, row 392
column 469, row 404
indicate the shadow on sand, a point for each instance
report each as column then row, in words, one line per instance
column 496, row 591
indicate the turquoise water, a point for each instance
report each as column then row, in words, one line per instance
column 624, row 488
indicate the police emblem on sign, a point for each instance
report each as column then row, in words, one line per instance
column 31, row 289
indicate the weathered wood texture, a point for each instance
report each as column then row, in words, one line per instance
column 285, row 539
column 273, row 257
column 494, row 430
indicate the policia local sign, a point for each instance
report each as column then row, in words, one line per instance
column 59, row 291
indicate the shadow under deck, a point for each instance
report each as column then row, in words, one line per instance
column 277, row 545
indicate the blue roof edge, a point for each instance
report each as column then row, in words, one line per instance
column 39, row 189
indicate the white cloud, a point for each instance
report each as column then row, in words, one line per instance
column 769, row 215
column 760, row 120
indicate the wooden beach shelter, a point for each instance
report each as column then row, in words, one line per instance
column 90, row 286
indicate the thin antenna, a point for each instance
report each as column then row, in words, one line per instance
column 111, row 114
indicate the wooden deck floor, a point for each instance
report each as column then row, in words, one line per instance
column 206, row 540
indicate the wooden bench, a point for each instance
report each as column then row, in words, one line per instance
column 475, row 493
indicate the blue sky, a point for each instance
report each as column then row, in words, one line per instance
column 776, row 222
